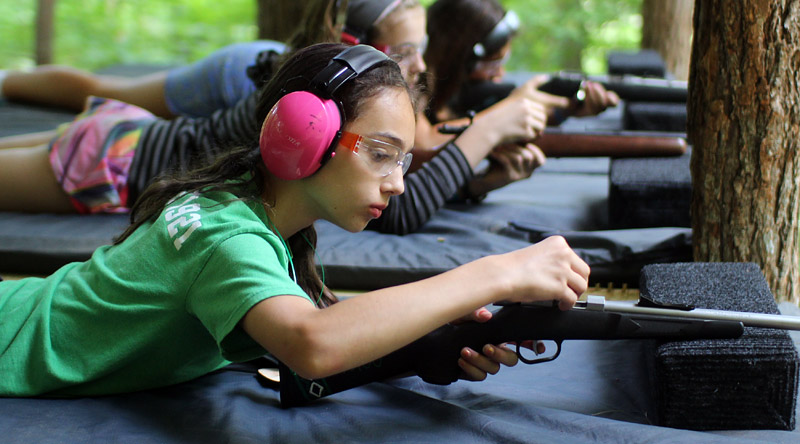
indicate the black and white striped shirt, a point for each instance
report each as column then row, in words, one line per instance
column 168, row 145
column 182, row 143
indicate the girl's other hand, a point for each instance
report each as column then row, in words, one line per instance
column 477, row 366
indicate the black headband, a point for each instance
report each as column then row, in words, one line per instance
column 362, row 16
column 347, row 64
column 498, row 36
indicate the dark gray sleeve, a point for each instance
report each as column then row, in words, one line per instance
column 184, row 143
column 426, row 190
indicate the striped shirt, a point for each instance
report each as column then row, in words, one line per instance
column 166, row 145
column 183, row 143
column 427, row 190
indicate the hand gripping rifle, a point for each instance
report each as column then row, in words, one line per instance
column 481, row 95
column 627, row 87
column 558, row 142
column 434, row 356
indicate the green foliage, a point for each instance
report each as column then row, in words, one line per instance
column 556, row 34
column 572, row 34
column 95, row 33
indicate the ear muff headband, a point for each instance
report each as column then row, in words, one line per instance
column 498, row 36
column 302, row 129
column 362, row 16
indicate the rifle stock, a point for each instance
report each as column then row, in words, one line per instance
column 555, row 142
column 434, row 356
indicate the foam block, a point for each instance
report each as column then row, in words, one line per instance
column 654, row 116
column 723, row 384
column 650, row 192
column 643, row 63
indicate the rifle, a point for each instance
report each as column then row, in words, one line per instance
column 559, row 142
column 481, row 95
column 434, row 356
column 627, row 87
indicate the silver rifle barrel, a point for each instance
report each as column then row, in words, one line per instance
column 599, row 303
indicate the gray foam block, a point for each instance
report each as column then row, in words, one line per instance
column 650, row 192
column 644, row 63
column 722, row 384
column 655, row 116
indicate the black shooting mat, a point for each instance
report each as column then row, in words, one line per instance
column 567, row 196
column 595, row 391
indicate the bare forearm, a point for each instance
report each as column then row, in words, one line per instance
column 318, row 343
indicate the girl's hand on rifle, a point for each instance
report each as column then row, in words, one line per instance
column 477, row 366
column 592, row 98
column 510, row 120
column 530, row 89
column 508, row 163
column 596, row 99
column 546, row 271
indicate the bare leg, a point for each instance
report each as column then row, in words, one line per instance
column 27, row 140
column 145, row 91
column 27, row 182
column 67, row 87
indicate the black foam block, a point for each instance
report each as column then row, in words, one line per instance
column 643, row 63
column 654, row 116
column 650, row 192
column 722, row 384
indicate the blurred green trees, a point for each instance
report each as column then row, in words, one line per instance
column 572, row 34
column 95, row 33
column 557, row 34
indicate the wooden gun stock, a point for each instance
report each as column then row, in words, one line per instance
column 558, row 143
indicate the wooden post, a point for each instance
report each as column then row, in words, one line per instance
column 744, row 123
column 278, row 19
column 44, row 31
column 667, row 28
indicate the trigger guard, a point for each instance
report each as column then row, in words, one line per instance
column 539, row 360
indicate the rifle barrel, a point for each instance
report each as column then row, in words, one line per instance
column 762, row 320
column 628, row 87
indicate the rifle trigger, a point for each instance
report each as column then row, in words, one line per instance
column 540, row 360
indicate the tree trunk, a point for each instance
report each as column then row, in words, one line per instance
column 44, row 31
column 571, row 44
column 667, row 28
column 744, row 122
column 278, row 19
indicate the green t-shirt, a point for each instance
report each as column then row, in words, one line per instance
column 161, row 308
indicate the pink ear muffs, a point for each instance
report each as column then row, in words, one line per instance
column 297, row 133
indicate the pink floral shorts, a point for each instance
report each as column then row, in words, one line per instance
column 92, row 155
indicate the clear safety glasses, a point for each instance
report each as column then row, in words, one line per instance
column 491, row 66
column 405, row 52
column 382, row 157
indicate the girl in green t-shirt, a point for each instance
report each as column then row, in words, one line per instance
column 218, row 264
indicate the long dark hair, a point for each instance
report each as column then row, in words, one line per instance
column 242, row 172
column 320, row 23
column 454, row 27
